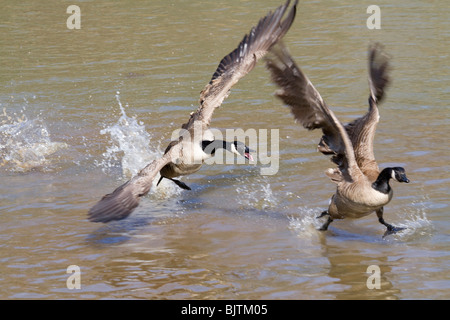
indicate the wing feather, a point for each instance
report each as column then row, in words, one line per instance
column 241, row 61
column 122, row 201
column 362, row 130
column 379, row 69
column 310, row 110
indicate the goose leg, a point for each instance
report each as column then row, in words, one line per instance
column 178, row 183
column 324, row 227
column 390, row 227
column 323, row 214
column 181, row 184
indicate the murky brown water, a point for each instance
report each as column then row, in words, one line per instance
column 238, row 234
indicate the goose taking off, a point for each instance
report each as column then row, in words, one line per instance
column 195, row 144
column 361, row 187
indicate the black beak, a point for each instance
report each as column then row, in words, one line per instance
column 247, row 154
column 403, row 178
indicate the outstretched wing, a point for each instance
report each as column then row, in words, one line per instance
column 309, row 109
column 241, row 61
column 122, row 201
column 362, row 130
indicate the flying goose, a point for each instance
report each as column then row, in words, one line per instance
column 196, row 143
column 198, row 152
column 361, row 187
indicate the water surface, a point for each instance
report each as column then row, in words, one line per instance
column 83, row 110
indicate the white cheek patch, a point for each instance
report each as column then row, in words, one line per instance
column 233, row 149
column 393, row 175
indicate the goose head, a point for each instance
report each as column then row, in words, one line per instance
column 382, row 183
column 241, row 149
column 398, row 174
column 236, row 147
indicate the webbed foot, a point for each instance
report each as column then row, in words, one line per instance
column 324, row 227
column 390, row 228
column 181, row 184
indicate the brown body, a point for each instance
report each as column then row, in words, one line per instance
column 356, row 200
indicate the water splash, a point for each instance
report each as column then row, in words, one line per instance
column 131, row 149
column 129, row 144
column 256, row 194
column 306, row 224
column 26, row 144
column 416, row 223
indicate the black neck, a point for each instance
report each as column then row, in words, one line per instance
column 210, row 147
column 382, row 182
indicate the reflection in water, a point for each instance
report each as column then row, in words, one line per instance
column 349, row 269
column 350, row 253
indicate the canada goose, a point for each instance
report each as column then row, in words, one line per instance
column 208, row 149
column 361, row 187
column 196, row 143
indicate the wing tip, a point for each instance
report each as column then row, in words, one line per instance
column 379, row 69
column 114, row 206
column 271, row 24
column 100, row 213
